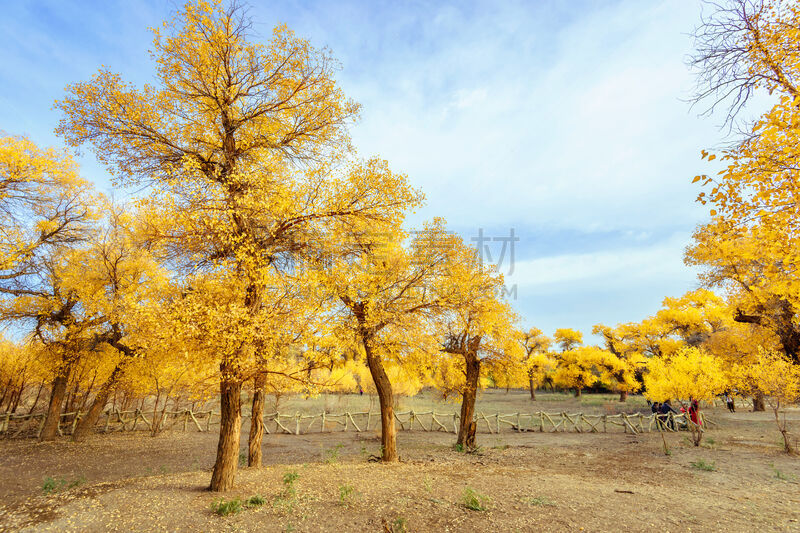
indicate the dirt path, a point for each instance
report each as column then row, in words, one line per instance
column 533, row 481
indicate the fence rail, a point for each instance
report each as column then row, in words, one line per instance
column 12, row 425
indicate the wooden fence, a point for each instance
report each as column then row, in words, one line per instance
column 31, row 425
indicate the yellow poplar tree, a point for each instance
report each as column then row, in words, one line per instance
column 245, row 149
column 388, row 302
column 776, row 376
column 477, row 328
column 689, row 374
column 537, row 361
column 577, row 368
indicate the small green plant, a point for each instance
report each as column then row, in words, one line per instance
column 242, row 459
column 332, row 455
column 287, row 498
column 77, row 482
column 256, row 500
column 225, row 508
column 398, row 525
column 702, row 464
column 538, row 501
column 345, row 494
column 472, row 450
column 289, row 478
column 51, row 485
column 781, row 475
column 474, row 500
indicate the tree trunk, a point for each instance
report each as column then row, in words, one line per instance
column 577, row 393
column 256, row 422
column 87, row 423
column 623, row 395
column 466, row 427
column 230, row 426
column 386, row 400
column 53, row 417
column 533, row 390
column 758, row 402
column 72, row 398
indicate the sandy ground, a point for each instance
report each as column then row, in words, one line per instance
column 531, row 481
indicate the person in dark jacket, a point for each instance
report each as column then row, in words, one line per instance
column 664, row 411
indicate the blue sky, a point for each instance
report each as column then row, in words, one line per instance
column 562, row 120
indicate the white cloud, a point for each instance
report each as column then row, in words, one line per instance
column 580, row 127
column 618, row 268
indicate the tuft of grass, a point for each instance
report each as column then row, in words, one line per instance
column 427, row 483
column 474, row 500
column 242, row 459
column 398, row 525
column 225, row 508
column 702, row 464
column 781, row 475
column 256, row 500
column 346, row 493
column 77, row 482
column 52, row 485
column 538, row 501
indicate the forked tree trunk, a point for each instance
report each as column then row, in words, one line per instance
column 466, row 427
column 53, row 417
column 623, row 395
column 16, row 397
column 758, row 402
column 788, row 447
column 87, row 423
column 230, row 426
column 256, row 422
column 386, row 400
column 533, row 390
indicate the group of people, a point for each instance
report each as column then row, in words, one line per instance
column 663, row 409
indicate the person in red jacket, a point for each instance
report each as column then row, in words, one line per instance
column 694, row 413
